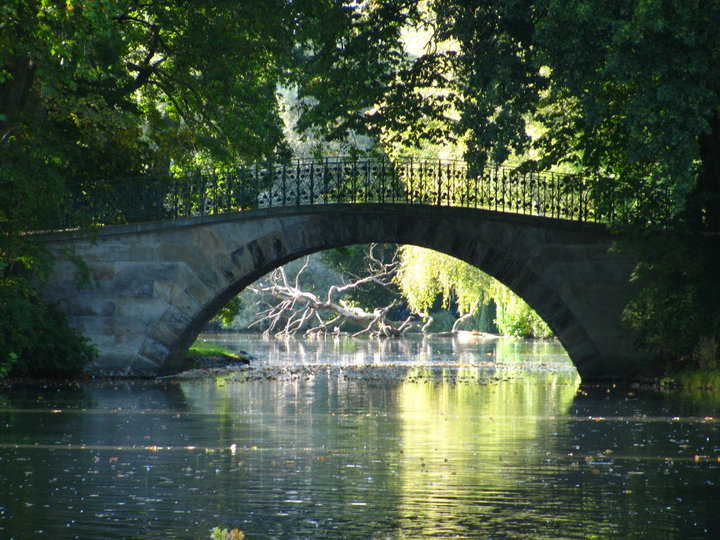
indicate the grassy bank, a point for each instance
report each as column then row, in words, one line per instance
column 206, row 349
column 706, row 380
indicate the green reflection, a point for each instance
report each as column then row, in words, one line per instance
column 480, row 434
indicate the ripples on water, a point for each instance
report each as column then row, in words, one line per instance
column 359, row 439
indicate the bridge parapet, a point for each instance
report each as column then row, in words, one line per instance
column 337, row 181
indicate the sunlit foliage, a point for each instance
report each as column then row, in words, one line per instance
column 426, row 275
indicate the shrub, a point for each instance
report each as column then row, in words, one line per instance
column 517, row 319
column 35, row 337
column 676, row 315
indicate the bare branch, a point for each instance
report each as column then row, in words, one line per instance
column 299, row 308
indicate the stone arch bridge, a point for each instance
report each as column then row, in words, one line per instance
column 154, row 285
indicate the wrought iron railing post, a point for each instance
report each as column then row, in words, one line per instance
column 354, row 181
column 339, row 168
column 379, row 182
column 439, row 184
column 367, row 181
column 324, row 191
column 312, row 183
column 409, row 175
column 496, row 189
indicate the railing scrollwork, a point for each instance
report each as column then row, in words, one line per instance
column 335, row 180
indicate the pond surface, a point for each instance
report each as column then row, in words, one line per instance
column 360, row 439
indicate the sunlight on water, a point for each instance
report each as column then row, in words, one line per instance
column 360, row 439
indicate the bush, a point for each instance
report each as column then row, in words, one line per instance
column 517, row 319
column 676, row 315
column 35, row 337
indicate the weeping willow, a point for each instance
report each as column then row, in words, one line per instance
column 425, row 275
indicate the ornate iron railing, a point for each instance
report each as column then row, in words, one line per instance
column 335, row 180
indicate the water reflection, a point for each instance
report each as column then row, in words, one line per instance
column 463, row 349
column 323, row 439
column 471, row 449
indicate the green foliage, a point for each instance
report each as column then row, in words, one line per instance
column 515, row 318
column 113, row 88
column 442, row 321
column 203, row 349
column 707, row 354
column 226, row 534
column 626, row 94
column 425, row 275
column 35, row 338
column 702, row 380
column 230, row 311
column 677, row 310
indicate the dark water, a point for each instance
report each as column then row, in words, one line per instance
column 361, row 440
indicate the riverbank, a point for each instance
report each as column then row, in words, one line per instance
column 204, row 355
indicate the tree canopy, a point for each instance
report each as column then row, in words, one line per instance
column 96, row 89
column 424, row 276
column 625, row 93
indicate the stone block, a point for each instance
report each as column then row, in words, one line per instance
column 125, row 288
column 200, row 292
column 161, row 333
column 143, row 367
column 176, row 296
column 83, row 306
column 152, row 353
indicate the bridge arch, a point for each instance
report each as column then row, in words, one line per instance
column 157, row 284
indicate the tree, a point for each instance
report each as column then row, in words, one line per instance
column 626, row 94
column 425, row 275
column 96, row 89
column 356, row 262
column 293, row 309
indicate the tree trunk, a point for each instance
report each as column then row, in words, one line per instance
column 17, row 89
column 704, row 202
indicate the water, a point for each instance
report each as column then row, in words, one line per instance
column 360, row 439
